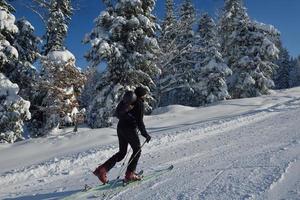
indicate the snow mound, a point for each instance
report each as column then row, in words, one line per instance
column 61, row 57
column 172, row 109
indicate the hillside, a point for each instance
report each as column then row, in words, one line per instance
column 237, row 149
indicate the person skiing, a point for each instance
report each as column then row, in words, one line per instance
column 130, row 112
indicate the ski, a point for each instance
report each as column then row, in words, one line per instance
column 155, row 173
column 117, row 185
column 88, row 187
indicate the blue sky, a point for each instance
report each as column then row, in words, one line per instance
column 283, row 14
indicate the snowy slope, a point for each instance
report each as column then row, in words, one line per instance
column 237, row 149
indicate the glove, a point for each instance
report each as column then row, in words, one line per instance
column 148, row 137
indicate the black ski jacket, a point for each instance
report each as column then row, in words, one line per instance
column 132, row 119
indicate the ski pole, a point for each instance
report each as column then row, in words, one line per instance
column 122, row 170
column 130, row 161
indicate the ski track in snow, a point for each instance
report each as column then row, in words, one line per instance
column 209, row 158
column 289, row 177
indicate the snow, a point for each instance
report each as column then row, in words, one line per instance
column 95, row 42
column 7, row 88
column 144, row 20
column 134, row 3
column 69, row 90
column 266, row 27
column 271, row 48
column 9, row 50
column 10, row 91
column 59, row 57
column 133, row 22
column 26, row 26
column 68, row 119
column 7, row 21
column 13, row 51
column 237, row 149
column 74, row 111
column 172, row 109
column 104, row 47
column 13, row 110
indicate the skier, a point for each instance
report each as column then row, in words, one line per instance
column 130, row 112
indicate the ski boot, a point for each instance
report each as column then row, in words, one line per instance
column 101, row 173
column 131, row 177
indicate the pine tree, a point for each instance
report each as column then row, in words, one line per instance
column 234, row 15
column 187, row 14
column 264, row 52
column 60, row 13
column 170, row 18
column 21, row 71
column 294, row 74
column 6, row 6
column 57, row 97
column 174, row 83
column 8, row 30
column 169, row 52
column 25, row 74
column 124, row 37
column 186, row 33
column 249, row 51
column 282, row 76
column 211, row 72
column 89, row 90
column 168, row 29
column 61, row 82
column 13, row 109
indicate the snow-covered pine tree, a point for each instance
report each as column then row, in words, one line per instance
column 21, row 70
column 61, row 81
column 282, row 76
column 13, row 109
column 187, row 18
column 211, row 72
column 169, row 51
column 233, row 16
column 263, row 52
column 168, row 29
column 60, row 13
column 124, row 38
column 249, row 51
column 170, row 18
column 6, row 6
column 25, row 74
column 176, row 62
column 88, row 93
column 8, row 30
column 185, row 41
column 27, row 42
column 295, row 72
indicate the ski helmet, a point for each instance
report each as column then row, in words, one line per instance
column 140, row 91
column 129, row 97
